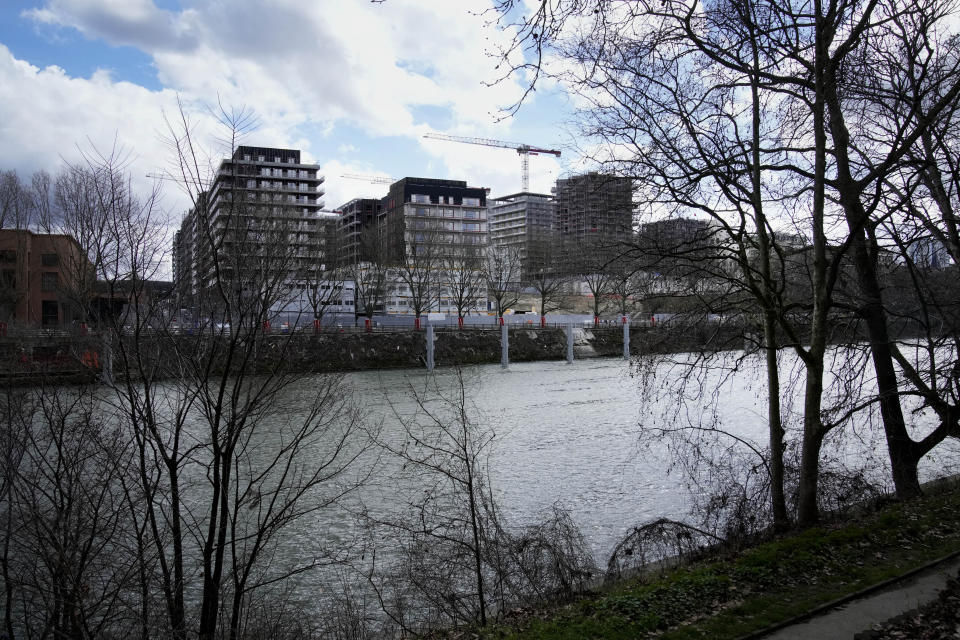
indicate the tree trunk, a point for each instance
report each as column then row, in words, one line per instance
column 781, row 520
column 899, row 444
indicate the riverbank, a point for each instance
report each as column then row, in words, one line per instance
column 80, row 358
column 737, row 595
column 77, row 359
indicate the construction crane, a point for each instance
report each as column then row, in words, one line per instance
column 370, row 179
column 525, row 151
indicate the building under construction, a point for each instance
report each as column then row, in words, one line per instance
column 359, row 220
column 594, row 217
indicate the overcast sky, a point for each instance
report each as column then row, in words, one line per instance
column 354, row 84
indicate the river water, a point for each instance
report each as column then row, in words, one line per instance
column 570, row 434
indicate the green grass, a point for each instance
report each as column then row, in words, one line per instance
column 767, row 584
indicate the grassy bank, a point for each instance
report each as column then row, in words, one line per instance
column 729, row 597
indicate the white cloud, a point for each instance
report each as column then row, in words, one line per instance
column 48, row 116
column 301, row 66
column 296, row 62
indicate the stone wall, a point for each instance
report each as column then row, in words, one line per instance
column 26, row 359
column 361, row 351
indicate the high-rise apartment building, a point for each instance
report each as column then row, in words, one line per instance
column 594, row 213
column 523, row 222
column 445, row 217
column 434, row 236
column 259, row 221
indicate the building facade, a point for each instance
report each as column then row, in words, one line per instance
column 434, row 236
column 359, row 217
column 260, row 222
column 523, row 222
column 594, row 215
column 432, row 215
column 45, row 279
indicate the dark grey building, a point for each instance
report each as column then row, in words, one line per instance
column 595, row 213
column 446, row 216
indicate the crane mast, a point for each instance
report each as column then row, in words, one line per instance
column 523, row 149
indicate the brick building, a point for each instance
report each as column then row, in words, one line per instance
column 45, row 279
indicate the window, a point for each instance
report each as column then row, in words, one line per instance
column 8, row 279
column 276, row 158
column 419, row 198
column 8, row 255
column 471, row 202
column 49, row 311
column 48, row 281
column 291, row 160
column 246, row 156
column 471, row 214
column 261, row 159
column 471, row 226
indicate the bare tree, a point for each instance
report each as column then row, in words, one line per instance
column 463, row 278
column 503, row 272
column 457, row 561
column 546, row 278
column 326, row 277
column 369, row 276
column 419, row 271
column 14, row 202
column 594, row 267
column 236, row 383
column 626, row 283
column 66, row 567
column 816, row 80
column 444, row 533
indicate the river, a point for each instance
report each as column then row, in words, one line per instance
column 570, row 433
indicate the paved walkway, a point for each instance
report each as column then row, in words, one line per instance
column 851, row 617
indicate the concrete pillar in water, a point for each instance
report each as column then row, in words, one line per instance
column 626, row 338
column 504, row 346
column 106, row 372
column 429, row 347
column 569, row 344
